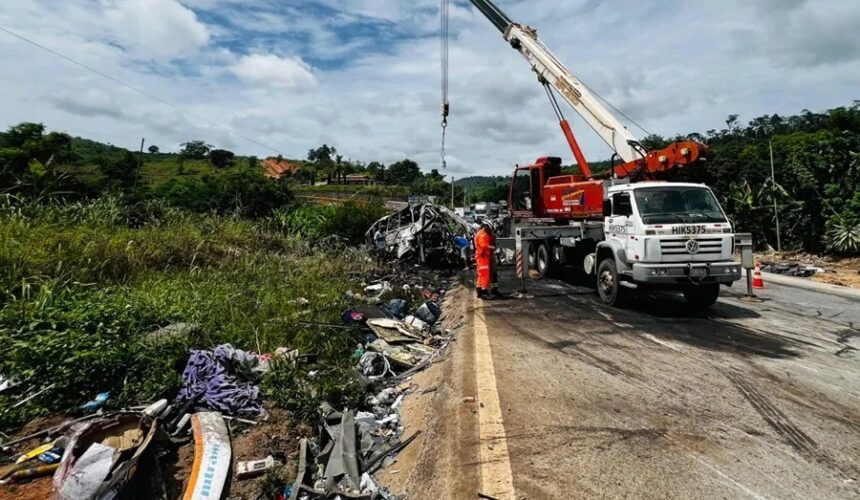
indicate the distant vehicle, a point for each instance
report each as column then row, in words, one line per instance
column 486, row 211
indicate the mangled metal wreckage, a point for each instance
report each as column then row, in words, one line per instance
column 424, row 232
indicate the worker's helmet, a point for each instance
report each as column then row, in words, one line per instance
column 487, row 223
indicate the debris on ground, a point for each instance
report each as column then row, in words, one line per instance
column 96, row 403
column 841, row 271
column 171, row 332
column 105, row 456
column 183, row 446
column 790, row 269
column 212, row 454
column 6, row 383
column 254, row 468
column 224, row 379
column 423, row 233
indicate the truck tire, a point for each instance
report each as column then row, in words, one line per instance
column 609, row 286
column 702, row 296
column 543, row 264
column 532, row 261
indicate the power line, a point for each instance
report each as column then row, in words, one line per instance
column 139, row 91
column 631, row 120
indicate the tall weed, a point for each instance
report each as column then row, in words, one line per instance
column 82, row 285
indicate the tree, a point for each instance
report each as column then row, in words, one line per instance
column 376, row 171
column 153, row 149
column 492, row 194
column 323, row 158
column 19, row 135
column 23, row 144
column 221, row 158
column 196, row 150
column 653, row 142
column 404, row 172
column 120, row 169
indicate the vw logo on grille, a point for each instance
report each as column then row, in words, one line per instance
column 693, row 247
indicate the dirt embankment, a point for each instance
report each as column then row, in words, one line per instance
column 841, row 271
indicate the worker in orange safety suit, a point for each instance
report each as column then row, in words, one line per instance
column 485, row 247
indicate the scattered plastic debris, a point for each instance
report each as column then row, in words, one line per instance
column 96, row 403
column 254, row 468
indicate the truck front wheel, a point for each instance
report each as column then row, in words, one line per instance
column 609, row 285
column 702, row 296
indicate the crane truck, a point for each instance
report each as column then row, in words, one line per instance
column 624, row 227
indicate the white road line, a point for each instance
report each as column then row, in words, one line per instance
column 496, row 475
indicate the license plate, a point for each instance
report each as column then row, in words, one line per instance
column 698, row 272
column 689, row 230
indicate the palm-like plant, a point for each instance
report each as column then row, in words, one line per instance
column 844, row 235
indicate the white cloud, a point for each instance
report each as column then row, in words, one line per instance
column 269, row 70
column 88, row 103
column 235, row 63
column 155, row 29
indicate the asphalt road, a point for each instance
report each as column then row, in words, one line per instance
column 661, row 401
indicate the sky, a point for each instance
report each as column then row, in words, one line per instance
column 264, row 77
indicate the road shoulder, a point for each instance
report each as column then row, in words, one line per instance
column 444, row 462
column 815, row 286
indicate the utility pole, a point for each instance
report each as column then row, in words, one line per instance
column 139, row 162
column 452, row 193
column 773, row 186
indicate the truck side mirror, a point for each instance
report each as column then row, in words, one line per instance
column 607, row 208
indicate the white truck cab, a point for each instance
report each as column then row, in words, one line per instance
column 665, row 235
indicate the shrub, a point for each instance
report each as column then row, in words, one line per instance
column 348, row 221
column 243, row 192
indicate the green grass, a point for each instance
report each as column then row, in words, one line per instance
column 81, row 285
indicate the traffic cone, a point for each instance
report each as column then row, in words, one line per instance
column 757, row 281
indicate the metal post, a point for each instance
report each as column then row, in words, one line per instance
column 452, row 193
column 521, row 259
column 743, row 243
column 773, row 186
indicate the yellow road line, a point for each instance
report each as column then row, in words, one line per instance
column 496, row 476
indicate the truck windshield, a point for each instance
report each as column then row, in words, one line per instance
column 675, row 204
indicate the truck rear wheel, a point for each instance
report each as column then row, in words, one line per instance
column 542, row 261
column 539, row 259
column 609, row 285
column 702, row 296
